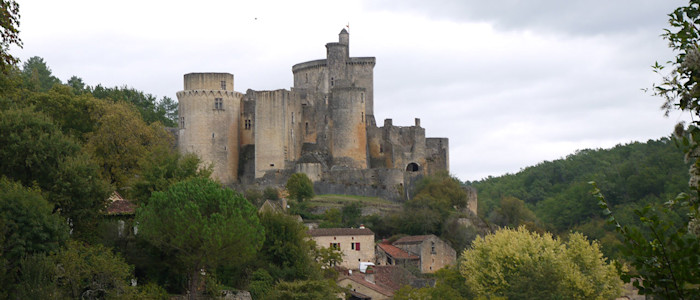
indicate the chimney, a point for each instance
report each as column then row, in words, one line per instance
column 369, row 275
column 362, row 226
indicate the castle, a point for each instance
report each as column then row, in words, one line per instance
column 324, row 127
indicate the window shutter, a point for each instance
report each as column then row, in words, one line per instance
column 357, row 246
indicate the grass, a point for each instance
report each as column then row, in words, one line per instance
column 338, row 201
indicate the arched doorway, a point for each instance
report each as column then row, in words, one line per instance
column 412, row 167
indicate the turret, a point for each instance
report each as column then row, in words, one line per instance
column 344, row 37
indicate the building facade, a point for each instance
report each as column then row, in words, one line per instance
column 426, row 252
column 323, row 126
column 356, row 244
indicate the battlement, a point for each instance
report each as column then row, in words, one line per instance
column 217, row 93
column 323, row 126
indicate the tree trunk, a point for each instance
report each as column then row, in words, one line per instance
column 194, row 284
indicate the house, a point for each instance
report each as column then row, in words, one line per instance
column 377, row 282
column 426, row 252
column 120, row 211
column 356, row 244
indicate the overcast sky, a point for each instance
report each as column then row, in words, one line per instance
column 511, row 83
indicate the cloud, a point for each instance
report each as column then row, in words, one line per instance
column 576, row 17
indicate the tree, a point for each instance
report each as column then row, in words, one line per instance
column 205, row 224
column 93, row 272
column 121, row 139
column 162, row 168
column 515, row 263
column 286, row 252
column 665, row 259
column 28, row 223
column 34, row 151
column 32, row 147
column 37, row 75
column 305, row 289
column 300, row 187
column 9, row 21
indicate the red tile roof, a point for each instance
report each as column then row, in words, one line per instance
column 395, row 252
column 119, row 206
column 339, row 231
column 413, row 239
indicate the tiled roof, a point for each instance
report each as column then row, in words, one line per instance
column 396, row 252
column 393, row 277
column 360, row 278
column 413, row 239
column 119, row 206
column 339, row 231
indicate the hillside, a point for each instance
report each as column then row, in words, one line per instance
column 555, row 195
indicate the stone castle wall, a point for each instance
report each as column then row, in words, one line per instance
column 323, row 126
column 209, row 122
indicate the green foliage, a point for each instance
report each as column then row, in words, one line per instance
column 254, row 196
column 162, row 168
column 151, row 110
column 203, row 223
column 352, row 214
column 679, row 87
column 261, row 284
column 121, row 140
column 519, row 264
column 27, row 227
column 632, row 176
column 449, row 284
column 9, row 33
column 305, row 289
column 286, row 252
column 32, row 147
column 300, row 187
column 271, row 193
column 332, row 218
column 665, row 259
column 83, row 271
column 37, row 75
column 512, row 212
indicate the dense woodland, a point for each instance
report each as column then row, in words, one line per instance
column 555, row 196
column 66, row 147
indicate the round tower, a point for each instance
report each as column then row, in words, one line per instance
column 209, row 109
column 348, row 133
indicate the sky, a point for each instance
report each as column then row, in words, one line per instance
column 511, row 83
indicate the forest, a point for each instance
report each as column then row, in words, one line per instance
column 574, row 228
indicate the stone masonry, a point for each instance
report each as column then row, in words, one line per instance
column 324, row 127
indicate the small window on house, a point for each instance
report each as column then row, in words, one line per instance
column 182, row 122
column 248, row 124
column 212, row 135
column 306, row 126
column 218, row 103
column 307, row 77
column 363, row 117
column 432, row 247
column 335, row 246
column 332, row 81
column 362, row 97
column 292, row 117
column 272, row 165
column 223, row 84
column 357, row 246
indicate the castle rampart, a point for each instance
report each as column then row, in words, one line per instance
column 324, row 127
column 209, row 121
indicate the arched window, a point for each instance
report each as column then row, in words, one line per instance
column 412, row 167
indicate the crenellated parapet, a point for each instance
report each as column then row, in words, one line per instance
column 209, row 93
